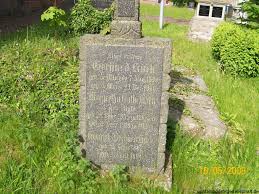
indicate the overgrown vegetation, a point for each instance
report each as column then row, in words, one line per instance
column 39, row 120
column 182, row 3
column 82, row 19
column 86, row 19
column 237, row 100
column 55, row 17
column 38, row 105
column 237, row 50
column 251, row 8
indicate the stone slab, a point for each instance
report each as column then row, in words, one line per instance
column 203, row 108
column 124, row 101
column 202, row 28
column 192, row 107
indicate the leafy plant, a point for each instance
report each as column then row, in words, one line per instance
column 120, row 175
column 237, row 50
column 181, row 3
column 71, row 172
column 85, row 18
column 55, row 16
column 251, row 7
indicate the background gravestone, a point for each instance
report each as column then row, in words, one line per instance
column 102, row 4
column 123, row 95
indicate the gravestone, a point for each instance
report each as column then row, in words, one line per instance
column 102, row 4
column 124, row 86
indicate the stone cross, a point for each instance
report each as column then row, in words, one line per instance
column 126, row 23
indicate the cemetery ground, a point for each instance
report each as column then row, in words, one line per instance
column 39, row 120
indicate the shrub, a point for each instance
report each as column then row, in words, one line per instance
column 237, row 50
column 86, row 19
column 182, row 3
column 56, row 19
column 220, row 36
column 55, row 16
column 251, row 7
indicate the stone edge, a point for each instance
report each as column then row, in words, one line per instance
column 166, row 79
column 82, row 100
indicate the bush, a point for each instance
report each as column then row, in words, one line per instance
column 55, row 16
column 251, row 7
column 56, row 19
column 86, row 19
column 181, row 3
column 237, row 50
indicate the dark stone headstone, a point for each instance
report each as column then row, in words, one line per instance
column 102, row 4
column 125, row 106
column 124, row 86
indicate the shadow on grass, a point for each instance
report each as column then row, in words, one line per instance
column 176, row 109
column 166, row 25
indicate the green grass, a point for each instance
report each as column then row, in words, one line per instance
column 39, row 120
column 169, row 11
column 238, row 103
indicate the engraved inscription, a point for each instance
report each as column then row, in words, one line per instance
column 126, row 8
column 123, row 96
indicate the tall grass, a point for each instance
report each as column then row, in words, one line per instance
column 238, row 103
column 39, row 120
column 169, row 11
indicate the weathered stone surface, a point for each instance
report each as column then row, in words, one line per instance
column 126, row 23
column 191, row 126
column 202, row 28
column 199, row 82
column 124, row 85
column 102, row 4
column 126, row 29
column 126, row 8
column 123, row 101
column 192, row 107
column 203, row 108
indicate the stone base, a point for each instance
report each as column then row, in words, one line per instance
column 126, row 29
column 162, row 179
